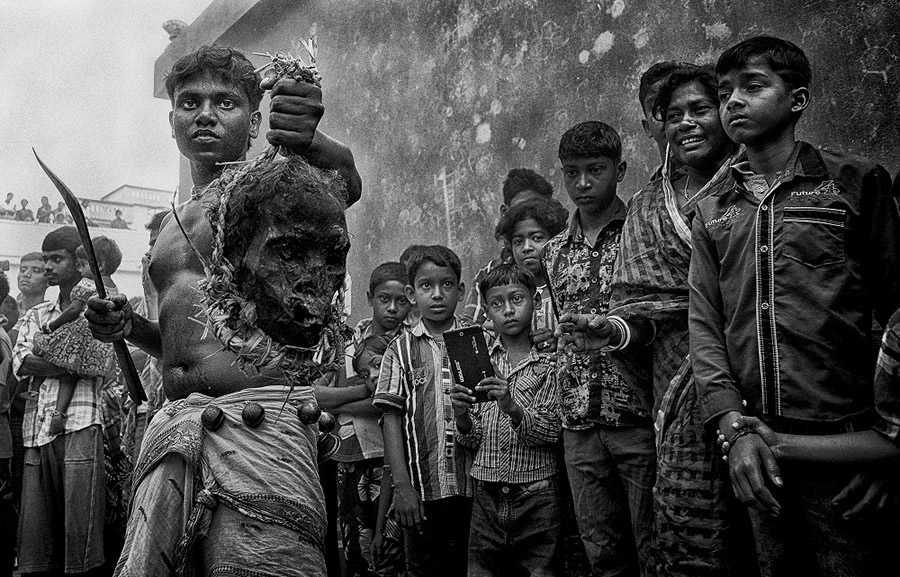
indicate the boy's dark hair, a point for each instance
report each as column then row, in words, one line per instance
column 589, row 140
column 229, row 64
column 108, row 254
column 651, row 76
column 436, row 254
column 784, row 57
column 408, row 252
column 374, row 345
column 32, row 256
column 156, row 220
column 505, row 274
column 703, row 75
column 519, row 179
column 547, row 212
column 385, row 272
column 63, row 238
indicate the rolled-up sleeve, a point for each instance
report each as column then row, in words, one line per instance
column 709, row 356
column 887, row 382
column 392, row 390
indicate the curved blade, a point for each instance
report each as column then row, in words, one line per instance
column 126, row 363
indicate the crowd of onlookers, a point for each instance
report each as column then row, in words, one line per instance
column 705, row 381
column 47, row 214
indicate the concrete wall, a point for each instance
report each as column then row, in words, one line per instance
column 439, row 99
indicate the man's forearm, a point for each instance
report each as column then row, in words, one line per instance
column 326, row 152
column 35, row 366
column 145, row 334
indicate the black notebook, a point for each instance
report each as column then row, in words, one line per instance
column 469, row 358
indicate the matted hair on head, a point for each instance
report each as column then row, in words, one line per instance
column 228, row 64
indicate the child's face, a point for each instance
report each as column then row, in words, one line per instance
column 591, row 182
column 84, row 268
column 436, row 291
column 389, row 304
column 510, row 307
column 527, row 240
column 756, row 106
column 368, row 367
column 693, row 129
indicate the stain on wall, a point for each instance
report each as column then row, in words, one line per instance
column 439, row 99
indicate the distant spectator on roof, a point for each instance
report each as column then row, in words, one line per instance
column 118, row 222
column 45, row 211
column 8, row 208
column 24, row 214
column 61, row 214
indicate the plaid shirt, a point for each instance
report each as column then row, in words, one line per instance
column 580, row 275
column 887, row 382
column 83, row 411
column 523, row 454
column 415, row 382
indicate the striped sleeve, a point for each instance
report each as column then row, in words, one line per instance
column 392, row 389
column 887, row 382
column 540, row 424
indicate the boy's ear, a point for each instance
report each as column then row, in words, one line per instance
column 503, row 209
column 462, row 291
column 799, row 99
column 172, row 122
column 620, row 171
column 410, row 294
column 255, row 120
column 369, row 298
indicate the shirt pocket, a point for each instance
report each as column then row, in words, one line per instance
column 418, row 376
column 814, row 235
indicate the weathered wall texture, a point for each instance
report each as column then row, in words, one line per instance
column 439, row 99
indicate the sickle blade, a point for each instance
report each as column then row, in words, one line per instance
column 126, row 363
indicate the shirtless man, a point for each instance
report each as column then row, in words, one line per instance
column 215, row 95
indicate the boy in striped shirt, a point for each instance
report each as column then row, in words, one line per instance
column 432, row 487
column 517, row 510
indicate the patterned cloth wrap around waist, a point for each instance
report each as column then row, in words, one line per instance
column 268, row 473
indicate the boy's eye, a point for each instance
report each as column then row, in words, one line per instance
column 538, row 237
column 189, row 104
column 517, row 299
column 724, row 96
column 518, row 241
column 384, row 299
column 364, row 375
column 570, row 173
column 596, row 169
column 425, row 285
column 227, row 104
column 447, row 284
column 496, row 304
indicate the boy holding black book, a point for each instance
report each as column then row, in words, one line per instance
column 516, row 512
column 432, row 487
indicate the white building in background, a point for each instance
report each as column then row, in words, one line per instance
column 137, row 204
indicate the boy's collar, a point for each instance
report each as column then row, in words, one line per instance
column 804, row 161
column 617, row 212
